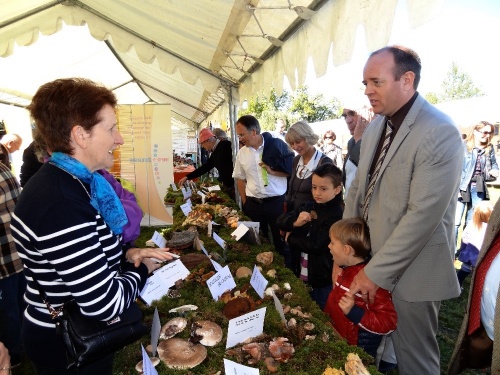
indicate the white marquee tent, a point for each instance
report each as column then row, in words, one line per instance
column 200, row 56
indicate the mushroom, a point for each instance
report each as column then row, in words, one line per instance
column 172, row 328
column 139, row 368
column 183, row 309
column 266, row 258
column 271, row 273
column 206, row 333
column 180, row 354
column 243, row 272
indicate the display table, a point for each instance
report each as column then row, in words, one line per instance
column 179, row 173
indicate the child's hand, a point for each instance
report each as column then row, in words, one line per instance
column 304, row 217
column 346, row 303
column 286, row 236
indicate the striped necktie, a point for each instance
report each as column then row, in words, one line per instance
column 374, row 176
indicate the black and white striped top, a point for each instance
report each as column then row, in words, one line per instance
column 71, row 251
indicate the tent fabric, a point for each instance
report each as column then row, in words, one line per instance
column 192, row 53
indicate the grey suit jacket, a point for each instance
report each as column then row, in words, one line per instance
column 412, row 211
column 491, row 232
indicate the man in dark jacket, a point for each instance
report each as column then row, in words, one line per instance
column 221, row 157
column 261, row 170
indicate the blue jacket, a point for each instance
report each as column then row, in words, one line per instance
column 277, row 154
column 469, row 166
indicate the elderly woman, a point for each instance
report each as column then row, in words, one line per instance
column 480, row 165
column 68, row 222
column 331, row 150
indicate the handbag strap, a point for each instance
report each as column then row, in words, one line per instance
column 54, row 313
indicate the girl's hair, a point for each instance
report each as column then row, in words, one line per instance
column 469, row 141
column 355, row 233
column 482, row 213
column 299, row 131
column 331, row 171
column 330, row 133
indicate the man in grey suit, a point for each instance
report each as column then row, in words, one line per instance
column 411, row 208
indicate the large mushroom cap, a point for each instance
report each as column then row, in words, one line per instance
column 208, row 333
column 172, row 328
column 180, row 354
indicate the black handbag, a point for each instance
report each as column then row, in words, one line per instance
column 87, row 339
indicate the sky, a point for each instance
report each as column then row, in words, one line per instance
column 464, row 31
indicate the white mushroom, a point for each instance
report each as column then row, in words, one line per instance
column 287, row 286
column 180, row 354
column 139, row 366
column 210, row 332
column 183, row 309
column 271, row 273
column 172, row 328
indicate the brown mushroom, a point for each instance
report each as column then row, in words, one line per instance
column 237, row 307
column 243, row 272
column 206, row 333
column 181, row 354
column 172, row 327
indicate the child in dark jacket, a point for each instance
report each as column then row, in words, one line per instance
column 359, row 323
column 307, row 228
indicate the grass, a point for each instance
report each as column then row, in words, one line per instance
column 450, row 320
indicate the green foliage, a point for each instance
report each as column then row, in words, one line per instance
column 292, row 107
column 457, row 85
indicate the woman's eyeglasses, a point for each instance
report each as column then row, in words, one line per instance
column 328, row 138
column 483, row 132
column 348, row 113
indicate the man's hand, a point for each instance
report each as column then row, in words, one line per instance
column 365, row 116
column 362, row 284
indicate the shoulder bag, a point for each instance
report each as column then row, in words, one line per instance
column 86, row 339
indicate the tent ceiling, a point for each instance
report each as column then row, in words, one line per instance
column 186, row 53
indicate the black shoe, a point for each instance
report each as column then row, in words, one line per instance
column 384, row 367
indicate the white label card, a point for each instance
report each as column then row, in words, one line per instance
column 203, row 196
column 220, row 282
column 162, row 280
column 214, row 188
column 174, row 188
column 186, row 208
column 234, row 368
column 245, row 326
column 155, row 331
column 147, row 365
column 258, row 282
column 209, row 229
column 216, row 265
column 239, row 232
column 219, row 240
column 159, row 240
column 279, row 307
column 251, row 224
column 186, row 192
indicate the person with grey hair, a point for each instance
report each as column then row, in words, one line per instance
column 301, row 138
column 9, row 144
column 220, row 134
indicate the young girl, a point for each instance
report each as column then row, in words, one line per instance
column 472, row 239
column 307, row 228
column 360, row 324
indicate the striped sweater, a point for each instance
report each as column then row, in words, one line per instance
column 70, row 250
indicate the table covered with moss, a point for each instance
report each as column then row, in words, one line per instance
column 315, row 348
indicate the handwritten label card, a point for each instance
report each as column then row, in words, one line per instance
column 239, row 232
column 214, row 188
column 159, row 240
column 220, row 282
column 234, row 368
column 186, row 192
column 147, row 365
column 155, row 332
column 203, row 196
column 245, row 326
column 258, row 282
column 219, row 240
column 186, row 208
column 162, row 280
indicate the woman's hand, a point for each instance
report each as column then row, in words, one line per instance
column 136, row 255
column 152, row 265
column 4, row 360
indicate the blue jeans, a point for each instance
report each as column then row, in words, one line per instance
column 461, row 206
column 12, row 307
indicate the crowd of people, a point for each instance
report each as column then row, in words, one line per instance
column 372, row 233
